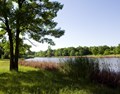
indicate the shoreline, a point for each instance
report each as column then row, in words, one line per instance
column 93, row 56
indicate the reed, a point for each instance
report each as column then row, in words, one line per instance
column 88, row 68
column 108, row 78
column 42, row 65
column 80, row 68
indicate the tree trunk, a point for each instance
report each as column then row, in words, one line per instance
column 17, row 40
column 17, row 50
column 12, row 58
column 12, row 63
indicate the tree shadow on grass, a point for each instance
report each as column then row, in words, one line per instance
column 46, row 82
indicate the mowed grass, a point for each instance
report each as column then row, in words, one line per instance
column 37, row 81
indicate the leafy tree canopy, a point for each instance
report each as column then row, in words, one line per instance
column 33, row 17
column 30, row 19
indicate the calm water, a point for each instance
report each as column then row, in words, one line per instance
column 112, row 64
column 47, row 59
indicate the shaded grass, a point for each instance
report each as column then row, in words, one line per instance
column 37, row 81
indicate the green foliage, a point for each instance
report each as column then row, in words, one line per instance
column 94, row 50
column 65, row 52
column 41, row 54
column 117, row 49
column 49, row 52
column 107, row 52
column 5, row 46
column 34, row 18
column 77, row 54
column 72, row 53
column 81, row 51
column 101, row 49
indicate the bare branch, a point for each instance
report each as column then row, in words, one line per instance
column 30, row 41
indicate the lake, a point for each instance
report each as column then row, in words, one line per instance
column 111, row 63
column 48, row 59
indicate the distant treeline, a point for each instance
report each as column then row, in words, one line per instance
column 80, row 51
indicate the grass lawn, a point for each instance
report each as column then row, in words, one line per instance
column 37, row 81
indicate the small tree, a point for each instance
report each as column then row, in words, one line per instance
column 31, row 18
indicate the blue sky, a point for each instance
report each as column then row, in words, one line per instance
column 87, row 23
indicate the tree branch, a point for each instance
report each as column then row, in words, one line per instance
column 30, row 41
